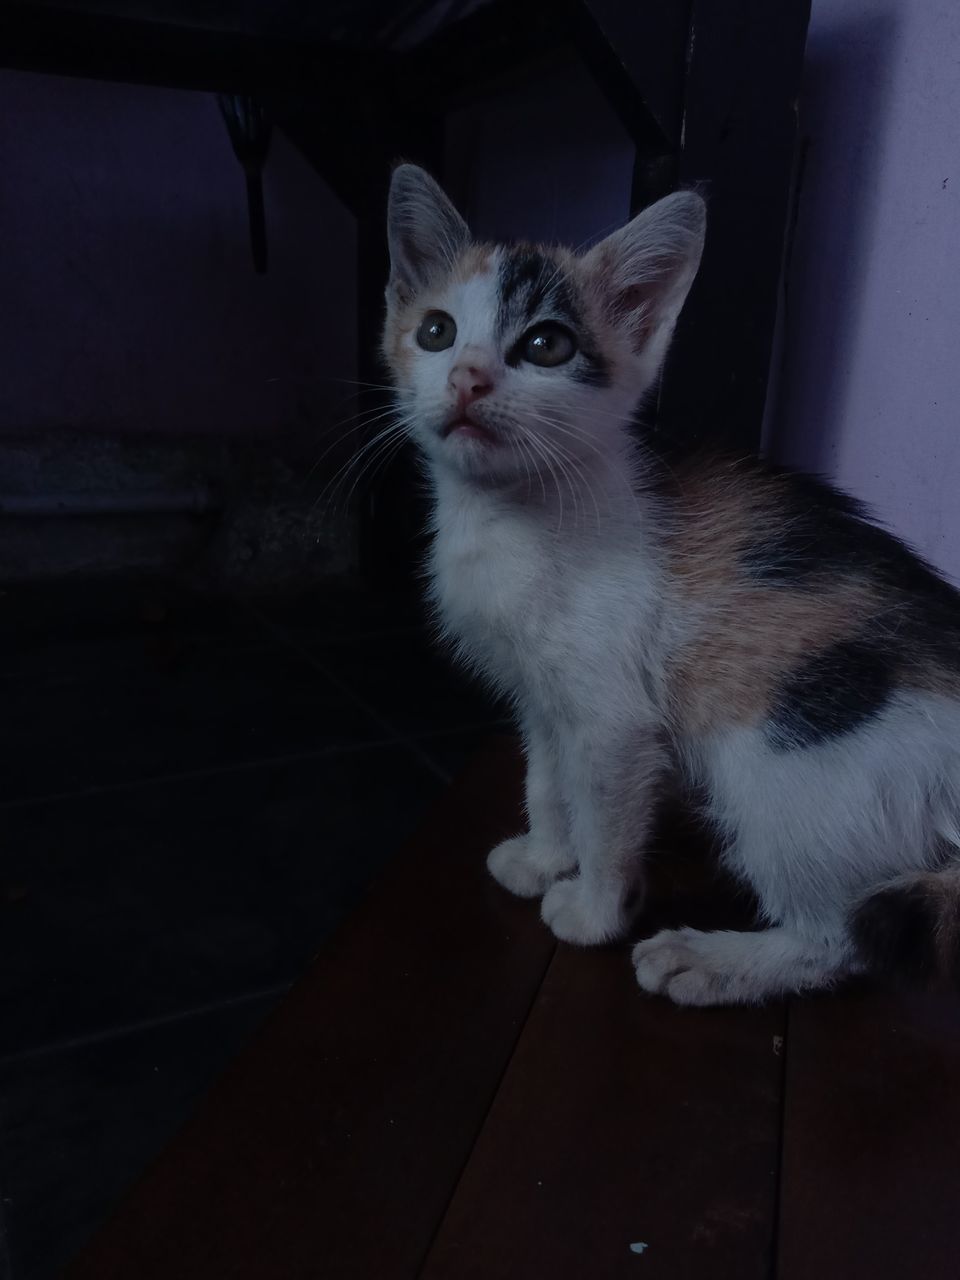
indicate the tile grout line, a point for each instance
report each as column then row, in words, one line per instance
column 219, row 648
column 209, row 771
column 246, row 766
column 72, row 1043
column 402, row 739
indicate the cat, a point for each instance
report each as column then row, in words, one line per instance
column 720, row 618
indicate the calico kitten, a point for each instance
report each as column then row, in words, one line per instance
column 720, row 617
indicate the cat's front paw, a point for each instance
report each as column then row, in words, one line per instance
column 525, row 867
column 574, row 915
column 679, row 964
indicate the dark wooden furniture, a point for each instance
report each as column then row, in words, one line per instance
column 707, row 90
column 448, row 1095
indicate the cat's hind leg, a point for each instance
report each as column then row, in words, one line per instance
column 726, row 967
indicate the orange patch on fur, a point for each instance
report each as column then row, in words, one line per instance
column 749, row 639
column 748, row 636
column 476, row 260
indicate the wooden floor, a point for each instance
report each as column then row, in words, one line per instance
column 450, row 1095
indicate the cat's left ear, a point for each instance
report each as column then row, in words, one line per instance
column 644, row 271
column 424, row 231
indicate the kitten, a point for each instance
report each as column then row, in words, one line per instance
column 719, row 617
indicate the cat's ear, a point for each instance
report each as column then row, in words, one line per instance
column 424, row 231
column 644, row 271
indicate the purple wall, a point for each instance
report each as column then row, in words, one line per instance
column 128, row 301
column 869, row 389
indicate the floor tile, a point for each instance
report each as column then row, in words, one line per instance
column 77, row 1127
column 411, row 682
column 343, row 611
column 452, row 750
column 133, row 717
column 137, row 903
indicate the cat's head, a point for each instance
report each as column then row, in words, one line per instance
column 505, row 356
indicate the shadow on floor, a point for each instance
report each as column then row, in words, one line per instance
column 195, row 793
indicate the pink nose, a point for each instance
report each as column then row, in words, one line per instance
column 470, row 381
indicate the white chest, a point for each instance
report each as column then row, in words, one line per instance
column 559, row 625
column 496, row 588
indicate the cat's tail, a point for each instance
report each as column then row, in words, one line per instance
column 911, row 926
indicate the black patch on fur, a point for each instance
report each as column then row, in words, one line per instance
column 835, row 692
column 591, row 368
column 822, row 532
column 532, row 286
column 894, row 931
column 807, row 535
column 531, row 283
column 819, row 532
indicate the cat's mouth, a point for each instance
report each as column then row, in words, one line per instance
column 463, row 427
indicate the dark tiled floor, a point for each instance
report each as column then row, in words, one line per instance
column 193, row 797
column 81, row 1124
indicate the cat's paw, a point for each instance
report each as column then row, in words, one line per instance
column 573, row 915
column 679, row 963
column 525, row 867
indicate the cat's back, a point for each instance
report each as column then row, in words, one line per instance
column 787, row 585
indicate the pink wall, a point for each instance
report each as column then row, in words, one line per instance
column 869, row 389
column 128, row 301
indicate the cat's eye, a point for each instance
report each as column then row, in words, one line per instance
column 437, row 331
column 547, row 345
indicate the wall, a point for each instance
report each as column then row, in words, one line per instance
column 869, row 388
column 129, row 302
column 140, row 350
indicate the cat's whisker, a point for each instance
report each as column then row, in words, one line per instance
column 616, row 475
column 563, row 461
column 524, row 454
column 577, row 466
column 366, row 421
column 573, row 472
column 343, row 496
column 359, row 382
column 535, row 444
column 393, row 430
column 543, row 487
column 580, row 437
column 375, row 464
column 329, row 495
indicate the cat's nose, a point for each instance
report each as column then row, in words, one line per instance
column 470, row 382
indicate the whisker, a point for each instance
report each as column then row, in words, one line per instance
column 565, row 461
column 620, row 479
column 366, row 421
column 392, row 430
column 535, row 443
column 375, row 464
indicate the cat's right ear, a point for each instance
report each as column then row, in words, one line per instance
column 645, row 269
column 424, row 231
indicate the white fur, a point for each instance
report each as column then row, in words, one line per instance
column 547, row 573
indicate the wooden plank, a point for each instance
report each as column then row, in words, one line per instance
column 332, row 1145
column 622, row 1121
column 871, row 1176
